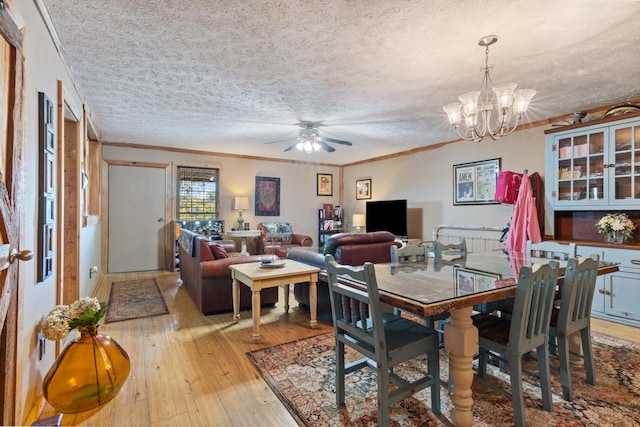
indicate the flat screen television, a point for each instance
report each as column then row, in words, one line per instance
column 387, row 215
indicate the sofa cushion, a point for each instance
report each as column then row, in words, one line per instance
column 205, row 251
column 336, row 240
column 279, row 230
column 218, row 251
column 307, row 257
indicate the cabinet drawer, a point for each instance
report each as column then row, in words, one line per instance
column 628, row 259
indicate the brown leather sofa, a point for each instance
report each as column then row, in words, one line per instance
column 278, row 238
column 347, row 249
column 205, row 273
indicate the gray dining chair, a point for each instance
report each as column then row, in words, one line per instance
column 546, row 250
column 383, row 339
column 414, row 254
column 574, row 316
column 527, row 329
column 551, row 250
column 450, row 252
column 417, row 256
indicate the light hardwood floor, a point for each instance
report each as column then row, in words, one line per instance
column 188, row 369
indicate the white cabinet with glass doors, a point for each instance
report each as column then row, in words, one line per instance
column 594, row 166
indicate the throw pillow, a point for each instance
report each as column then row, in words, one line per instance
column 218, row 251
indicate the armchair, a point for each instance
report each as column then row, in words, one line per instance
column 278, row 238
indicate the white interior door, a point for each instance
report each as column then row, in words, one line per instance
column 136, row 218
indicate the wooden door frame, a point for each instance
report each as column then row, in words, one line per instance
column 167, row 235
column 10, row 383
column 69, row 215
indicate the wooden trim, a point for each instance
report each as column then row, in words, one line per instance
column 135, row 163
column 591, row 123
column 60, row 199
column 104, row 213
column 11, row 384
column 213, row 153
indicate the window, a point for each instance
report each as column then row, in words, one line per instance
column 198, row 196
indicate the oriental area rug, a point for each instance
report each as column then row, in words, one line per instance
column 302, row 374
column 133, row 299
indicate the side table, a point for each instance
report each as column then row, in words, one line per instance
column 256, row 277
column 243, row 234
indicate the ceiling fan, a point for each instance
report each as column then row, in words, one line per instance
column 309, row 140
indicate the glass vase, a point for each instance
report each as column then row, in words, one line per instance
column 616, row 237
column 88, row 373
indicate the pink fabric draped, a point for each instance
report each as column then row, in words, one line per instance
column 524, row 223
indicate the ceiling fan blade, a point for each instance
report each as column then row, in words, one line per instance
column 336, row 141
column 291, row 147
column 326, row 147
column 281, row 140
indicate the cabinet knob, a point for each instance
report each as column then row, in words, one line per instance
column 601, row 291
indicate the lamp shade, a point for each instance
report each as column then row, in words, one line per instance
column 359, row 220
column 241, row 202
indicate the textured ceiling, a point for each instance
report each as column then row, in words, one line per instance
column 229, row 75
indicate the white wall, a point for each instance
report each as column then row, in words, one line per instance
column 43, row 69
column 299, row 203
column 425, row 179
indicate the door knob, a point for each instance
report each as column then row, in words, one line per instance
column 25, row 255
column 160, row 219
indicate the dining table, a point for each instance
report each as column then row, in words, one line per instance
column 456, row 286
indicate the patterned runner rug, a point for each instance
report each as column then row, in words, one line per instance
column 302, row 374
column 133, row 299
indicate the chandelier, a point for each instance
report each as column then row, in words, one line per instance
column 495, row 114
column 308, row 140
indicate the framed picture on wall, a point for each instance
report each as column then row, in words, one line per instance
column 475, row 183
column 47, row 170
column 363, row 189
column 267, row 197
column 324, row 184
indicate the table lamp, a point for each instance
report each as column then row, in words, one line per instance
column 240, row 203
column 359, row 221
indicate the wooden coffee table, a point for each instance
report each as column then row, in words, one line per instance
column 258, row 277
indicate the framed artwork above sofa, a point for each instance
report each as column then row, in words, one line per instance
column 267, row 196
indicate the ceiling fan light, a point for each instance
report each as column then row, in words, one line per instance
column 316, row 146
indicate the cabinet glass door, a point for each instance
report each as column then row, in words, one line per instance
column 625, row 164
column 581, row 165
